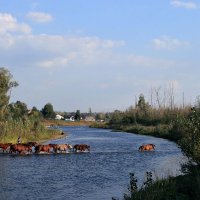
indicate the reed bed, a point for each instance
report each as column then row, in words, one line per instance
column 28, row 130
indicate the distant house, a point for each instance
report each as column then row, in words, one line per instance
column 59, row 117
column 90, row 119
column 70, row 119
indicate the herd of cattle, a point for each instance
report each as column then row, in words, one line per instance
column 33, row 147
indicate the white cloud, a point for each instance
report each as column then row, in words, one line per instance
column 7, row 41
column 145, row 61
column 168, row 43
column 184, row 4
column 55, row 62
column 53, row 51
column 9, row 24
column 39, row 17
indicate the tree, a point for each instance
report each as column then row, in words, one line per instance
column 90, row 111
column 6, row 84
column 100, row 117
column 18, row 110
column 142, row 104
column 34, row 109
column 48, row 111
column 77, row 115
column 116, row 117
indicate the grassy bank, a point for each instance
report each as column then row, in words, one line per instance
column 29, row 137
column 161, row 130
column 66, row 123
column 28, row 131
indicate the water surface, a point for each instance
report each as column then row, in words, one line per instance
column 99, row 175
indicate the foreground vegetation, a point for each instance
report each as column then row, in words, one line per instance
column 183, row 187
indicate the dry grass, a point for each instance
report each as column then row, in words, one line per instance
column 66, row 123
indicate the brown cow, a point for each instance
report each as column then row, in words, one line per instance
column 20, row 148
column 62, row 147
column 5, row 146
column 147, row 147
column 44, row 148
column 81, row 147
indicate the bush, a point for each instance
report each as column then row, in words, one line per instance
column 190, row 142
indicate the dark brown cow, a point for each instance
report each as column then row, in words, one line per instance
column 81, row 147
column 147, row 147
column 20, row 148
column 5, row 146
column 44, row 148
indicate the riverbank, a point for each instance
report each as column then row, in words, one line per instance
column 54, row 137
column 162, row 130
column 39, row 138
column 66, row 123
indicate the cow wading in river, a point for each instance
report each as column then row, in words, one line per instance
column 81, row 147
column 147, row 147
column 5, row 146
column 62, row 148
column 45, row 148
column 20, row 148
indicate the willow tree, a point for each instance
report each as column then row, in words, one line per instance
column 6, row 85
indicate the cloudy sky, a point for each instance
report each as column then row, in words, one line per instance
column 100, row 54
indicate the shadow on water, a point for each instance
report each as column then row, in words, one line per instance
column 100, row 174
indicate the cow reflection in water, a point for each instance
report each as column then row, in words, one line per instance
column 147, row 147
column 81, row 147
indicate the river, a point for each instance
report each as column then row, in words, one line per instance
column 99, row 175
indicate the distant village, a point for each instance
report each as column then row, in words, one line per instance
column 100, row 117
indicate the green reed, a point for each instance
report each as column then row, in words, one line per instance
column 27, row 129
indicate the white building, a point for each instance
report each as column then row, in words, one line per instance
column 70, row 119
column 59, row 117
column 90, row 119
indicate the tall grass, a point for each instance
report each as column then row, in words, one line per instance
column 28, row 130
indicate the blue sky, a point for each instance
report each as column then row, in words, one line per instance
column 101, row 54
